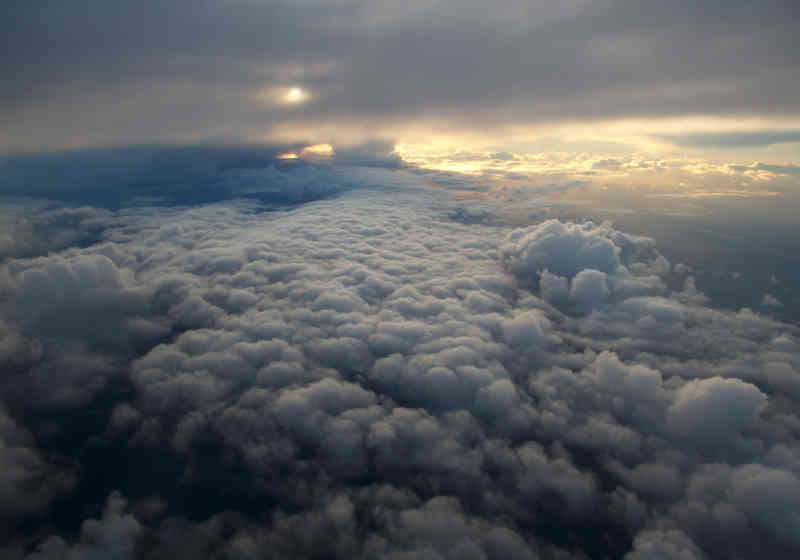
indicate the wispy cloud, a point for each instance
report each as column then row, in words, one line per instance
column 734, row 139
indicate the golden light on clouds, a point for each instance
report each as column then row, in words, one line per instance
column 638, row 153
column 626, row 151
column 317, row 151
column 433, row 139
column 645, row 168
column 313, row 152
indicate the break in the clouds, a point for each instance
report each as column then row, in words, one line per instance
column 378, row 370
column 93, row 73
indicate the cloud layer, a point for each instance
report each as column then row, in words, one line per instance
column 369, row 375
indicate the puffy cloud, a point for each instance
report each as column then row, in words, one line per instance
column 590, row 288
column 714, row 411
column 564, row 249
column 400, row 526
column 725, row 502
column 664, row 545
column 28, row 482
column 112, row 536
column 579, row 266
column 441, row 529
column 366, row 376
column 31, row 228
column 528, row 330
column 770, row 497
column 71, row 297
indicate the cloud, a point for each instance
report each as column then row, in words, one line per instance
column 375, row 153
column 712, row 411
column 28, row 481
column 770, row 301
column 734, row 139
column 365, row 65
column 112, row 536
column 360, row 375
column 664, row 545
column 35, row 229
column 177, row 175
column 562, row 249
column 590, row 259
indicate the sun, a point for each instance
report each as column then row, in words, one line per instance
column 295, row 95
column 286, row 95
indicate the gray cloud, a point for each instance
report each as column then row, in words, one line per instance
column 664, row 545
column 780, row 169
column 112, row 536
column 735, row 139
column 28, row 481
column 100, row 73
column 360, row 375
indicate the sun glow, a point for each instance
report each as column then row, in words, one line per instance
column 286, row 96
column 294, row 95
column 637, row 153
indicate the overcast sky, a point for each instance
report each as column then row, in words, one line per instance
column 94, row 73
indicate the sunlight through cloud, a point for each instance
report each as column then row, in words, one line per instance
column 286, row 96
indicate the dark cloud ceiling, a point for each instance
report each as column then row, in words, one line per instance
column 99, row 72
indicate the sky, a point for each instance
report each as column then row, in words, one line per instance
column 607, row 90
column 421, row 280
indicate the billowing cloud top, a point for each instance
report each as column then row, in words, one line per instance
column 375, row 370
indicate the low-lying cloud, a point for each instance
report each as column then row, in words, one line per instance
column 365, row 376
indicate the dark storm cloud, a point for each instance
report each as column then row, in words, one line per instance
column 366, row 376
column 96, row 72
